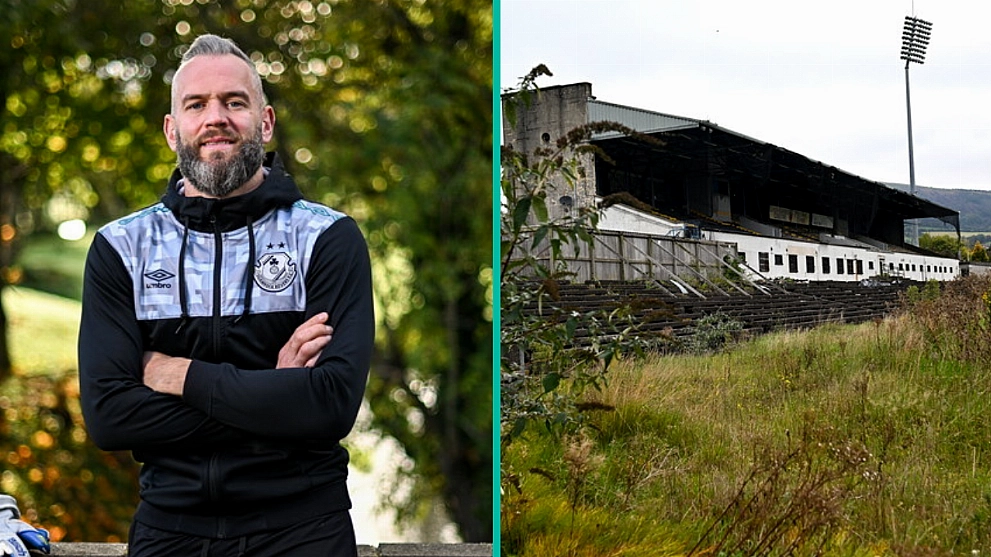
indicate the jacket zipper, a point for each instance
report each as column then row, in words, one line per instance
column 213, row 475
column 213, row 472
column 218, row 239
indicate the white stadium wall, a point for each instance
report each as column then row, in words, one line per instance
column 776, row 258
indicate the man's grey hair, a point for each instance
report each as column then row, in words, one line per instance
column 213, row 45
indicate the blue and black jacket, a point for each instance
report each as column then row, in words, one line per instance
column 225, row 282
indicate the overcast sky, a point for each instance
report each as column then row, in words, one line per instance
column 823, row 79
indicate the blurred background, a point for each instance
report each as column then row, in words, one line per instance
column 384, row 111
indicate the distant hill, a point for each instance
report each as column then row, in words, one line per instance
column 974, row 207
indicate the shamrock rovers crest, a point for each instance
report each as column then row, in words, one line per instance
column 275, row 271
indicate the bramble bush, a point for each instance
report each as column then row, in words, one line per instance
column 955, row 319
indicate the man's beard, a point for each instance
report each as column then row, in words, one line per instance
column 218, row 178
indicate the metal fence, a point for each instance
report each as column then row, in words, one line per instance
column 626, row 256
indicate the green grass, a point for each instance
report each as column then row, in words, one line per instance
column 852, row 440
column 43, row 329
column 43, row 309
column 54, row 265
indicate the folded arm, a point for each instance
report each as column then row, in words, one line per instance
column 167, row 374
column 121, row 412
column 316, row 402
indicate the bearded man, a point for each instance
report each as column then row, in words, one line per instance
column 226, row 336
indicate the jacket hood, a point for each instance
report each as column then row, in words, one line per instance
column 277, row 190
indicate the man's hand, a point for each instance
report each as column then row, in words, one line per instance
column 307, row 341
column 17, row 536
column 165, row 374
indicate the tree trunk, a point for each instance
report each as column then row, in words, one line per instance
column 6, row 260
column 11, row 176
column 6, row 366
column 467, row 468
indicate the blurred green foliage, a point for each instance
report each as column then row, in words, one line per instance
column 61, row 480
column 384, row 111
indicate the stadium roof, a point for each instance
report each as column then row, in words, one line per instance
column 686, row 137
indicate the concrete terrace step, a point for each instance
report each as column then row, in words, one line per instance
column 789, row 305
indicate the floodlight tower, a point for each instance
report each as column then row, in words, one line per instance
column 915, row 39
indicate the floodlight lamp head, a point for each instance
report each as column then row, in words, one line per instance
column 915, row 39
column 915, row 21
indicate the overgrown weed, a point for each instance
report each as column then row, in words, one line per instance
column 792, row 499
column 867, row 439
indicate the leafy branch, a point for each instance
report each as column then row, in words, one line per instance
column 551, row 353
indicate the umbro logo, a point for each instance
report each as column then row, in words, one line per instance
column 158, row 276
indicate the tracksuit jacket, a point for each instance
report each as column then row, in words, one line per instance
column 226, row 282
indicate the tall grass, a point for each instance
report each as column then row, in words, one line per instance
column 870, row 439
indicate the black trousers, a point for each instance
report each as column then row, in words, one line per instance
column 325, row 536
